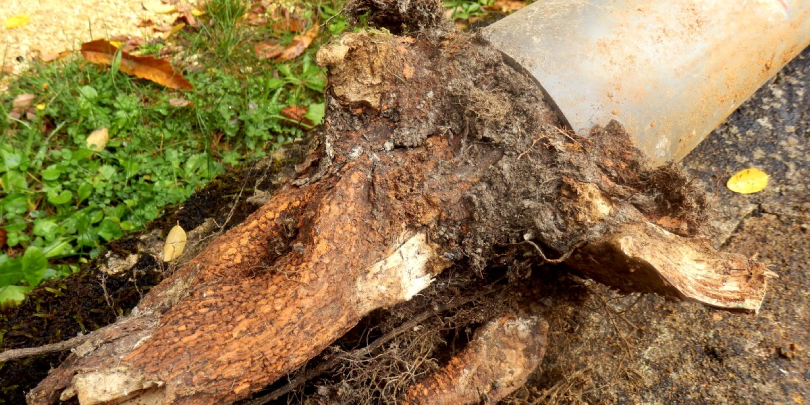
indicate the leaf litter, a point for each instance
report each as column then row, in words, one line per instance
column 102, row 52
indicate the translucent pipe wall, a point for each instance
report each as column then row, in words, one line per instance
column 670, row 71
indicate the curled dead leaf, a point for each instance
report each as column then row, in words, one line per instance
column 159, row 71
column 299, row 44
column 296, row 113
column 22, row 101
column 179, row 102
column 175, row 243
column 267, row 50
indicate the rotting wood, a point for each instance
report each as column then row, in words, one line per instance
column 497, row 361
column 434, row 152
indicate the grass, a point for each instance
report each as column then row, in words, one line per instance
column 60, row 201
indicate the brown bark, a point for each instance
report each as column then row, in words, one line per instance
column 435, row 151
column 497, row 361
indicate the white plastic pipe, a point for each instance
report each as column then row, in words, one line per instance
column 670, row 71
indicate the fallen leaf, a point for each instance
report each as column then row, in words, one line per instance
column 299, row 44
column 188, row 19
column 17, row 21
column 146, row 23
column 177, row 28
column 748, row 181
column 3, row 238
column 162, row 28
column 179, row 102
column 506, row 6
column 159, row 7
column 175, row 243
column 54, row 56
column 97, row 139
column 132, row 44
column 296, row 113
column 289, row 26
column 267, row 49
column 197, row 13
column 157, row 70
column 22, row 101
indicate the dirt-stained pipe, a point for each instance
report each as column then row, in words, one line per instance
column 670, row 70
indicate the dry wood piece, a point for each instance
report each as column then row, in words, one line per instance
column 644, row 257
column 435, row 151
column 497, row 361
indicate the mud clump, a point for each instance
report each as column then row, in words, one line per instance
column 402, row 17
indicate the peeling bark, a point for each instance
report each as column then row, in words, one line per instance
column 498, row 361
column 435, row 152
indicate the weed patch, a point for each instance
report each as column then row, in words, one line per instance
column 62, row 199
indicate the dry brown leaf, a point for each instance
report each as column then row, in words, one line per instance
column 146, row 23
column 299, row 44
column 132, row 44
column 289, row 26
column 159, row 71
column 22, row 101
column 296, row 113
column 50, row 57
column 257, row 15
column 3, row 238
column 267, row 49
column 162, row 28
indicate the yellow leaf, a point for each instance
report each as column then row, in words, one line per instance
column 175, row 243
column 97, row 140
column 748, row 181
column 116, row 44
column 40, row 107
column 197, row 13
column 157, row 6
column 17, row 21
column 177, row 28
